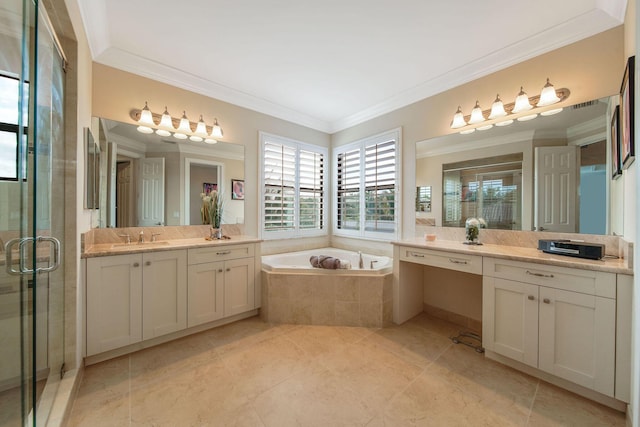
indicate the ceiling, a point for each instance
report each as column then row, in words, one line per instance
column 332, row 64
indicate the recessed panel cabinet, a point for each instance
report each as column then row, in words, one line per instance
column 138, row 297
column 559, row 320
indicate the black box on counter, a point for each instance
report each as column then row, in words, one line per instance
column 572, row 248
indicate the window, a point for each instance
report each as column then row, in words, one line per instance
column 367, row 187
column 488, row 188
column 9, row 128
column 293, row 184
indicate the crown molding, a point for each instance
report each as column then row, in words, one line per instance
column 144, row 67
column 94, row 13
column 581, row 27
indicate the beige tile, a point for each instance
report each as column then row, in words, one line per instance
column 323, row 312
column 313, row 398
column 280, row 310
column 301, row 288
column 431, row 401
column 376, row 375
column 323, row 290
column 347, row 313
column 410, row 342
column 371, row 314
column 557, row 407
column 371, row 289
column 278, row 287
column 241, row 335
column 317, row 340
column 493, row 385
column 163, row 361
column 263, row 365
column 347, row 289
column 198, row 396
column 301, row 311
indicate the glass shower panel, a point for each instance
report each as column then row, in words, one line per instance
column 31, row 178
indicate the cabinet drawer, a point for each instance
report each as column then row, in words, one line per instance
column 219, row 253
column 569, row 279
column 450, row 260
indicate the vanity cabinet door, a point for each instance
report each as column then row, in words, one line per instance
column 164, row 293
column 239, row 286
column 114, row 302
column 510, row 319
column 577, row 338
column 205, row 299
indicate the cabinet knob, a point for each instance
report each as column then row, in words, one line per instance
column 531, row 298
column 147, row 263
column 220, row 271
column 136, row 264
column 228, row 269
column 546, row 301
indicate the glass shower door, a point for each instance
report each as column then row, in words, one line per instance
column 31, row 177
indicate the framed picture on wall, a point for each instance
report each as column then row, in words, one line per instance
column 616, row 169
column 627, row 143
column 237, row 189
column 208, row 187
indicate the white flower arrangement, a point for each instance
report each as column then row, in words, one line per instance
column 212, row 207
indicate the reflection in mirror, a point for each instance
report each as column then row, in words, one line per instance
column 91, row 171
column 149, row 180
column 460, row 171
column 423, row 199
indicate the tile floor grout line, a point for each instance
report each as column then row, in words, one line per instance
column 533, row 401
column 130, row 391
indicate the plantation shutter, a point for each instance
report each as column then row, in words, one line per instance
column 348, row 204
column 380, row 183
column 311, row 193
column 279, row 186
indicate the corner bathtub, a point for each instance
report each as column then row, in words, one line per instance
column 295, row 292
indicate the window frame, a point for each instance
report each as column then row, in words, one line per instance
column 297, row 231
column 361, row 145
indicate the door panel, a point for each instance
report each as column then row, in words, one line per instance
column 556, row 189
column 151, row 192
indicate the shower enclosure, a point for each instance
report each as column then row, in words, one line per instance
column 31, row 213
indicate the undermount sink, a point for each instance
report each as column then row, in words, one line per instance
column 139, row 245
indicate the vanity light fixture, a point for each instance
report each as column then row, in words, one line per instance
column 504, row 114
column 166, row 125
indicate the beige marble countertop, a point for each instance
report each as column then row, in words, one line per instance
column 106, row 249
column 611, row 265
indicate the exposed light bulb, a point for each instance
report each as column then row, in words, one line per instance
column 458, row 119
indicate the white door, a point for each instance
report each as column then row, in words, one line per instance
column 151, row 192
column 577, row 338
column 205, row 293
column 510, row 319
column 555, row 188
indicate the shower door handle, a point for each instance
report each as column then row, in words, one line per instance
column 56, row 254
column 22, row 242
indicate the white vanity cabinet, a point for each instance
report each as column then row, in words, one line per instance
column 557, row 319
column 135, row 297
column 221, row 282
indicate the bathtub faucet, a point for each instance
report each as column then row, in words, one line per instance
column 361, row 262
column 372, row 262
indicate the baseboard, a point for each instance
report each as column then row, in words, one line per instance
column 611, row 402
column 463, row 321
column 111, row 354
column 65, row 396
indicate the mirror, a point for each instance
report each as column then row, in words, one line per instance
column 91, row 171
column 581, row 129
column 147, row 180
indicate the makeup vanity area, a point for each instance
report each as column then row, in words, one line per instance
column 565, row 320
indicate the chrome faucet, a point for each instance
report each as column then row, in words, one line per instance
column 141, row 237
column 127, row 237
column 361, row 262
column 372, row 262
column 153, row 236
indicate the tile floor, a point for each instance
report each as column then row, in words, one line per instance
column 252, row 373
